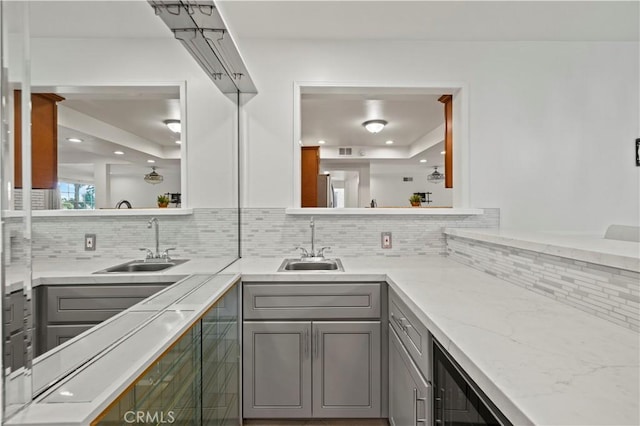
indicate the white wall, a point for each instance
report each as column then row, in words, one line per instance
column 551, row 130
column 139, row 193
column 211, row 116
column 389, row 190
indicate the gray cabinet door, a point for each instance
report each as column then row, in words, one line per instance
column 410, row 398
column 277, row 369
column 58, row 334
column 346, row 369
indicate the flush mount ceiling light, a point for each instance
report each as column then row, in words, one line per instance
column 153, row 177
column 374, row 126
column 436, row 176
column 173, row 125
column 75, row 140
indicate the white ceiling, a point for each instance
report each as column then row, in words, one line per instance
column 434, row 20
column 118, row 118
column 337, row 118
column 90, row 19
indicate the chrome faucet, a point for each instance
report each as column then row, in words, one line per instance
column 313, row 253
column 313, row 237
column 152, row 221
column 150, row 255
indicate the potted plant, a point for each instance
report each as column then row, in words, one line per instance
column 415, row 200
column 163, row 200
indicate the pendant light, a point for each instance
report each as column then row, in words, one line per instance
column 153, row 177
column 436, row 176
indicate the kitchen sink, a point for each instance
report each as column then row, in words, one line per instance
column 311, row 264
column 142, row 266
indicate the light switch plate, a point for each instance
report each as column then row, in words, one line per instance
column 386, row 240
column 89, row 242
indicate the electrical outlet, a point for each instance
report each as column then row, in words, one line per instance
column 386, row 240
column 89, row 242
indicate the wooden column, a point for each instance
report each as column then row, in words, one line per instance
column 447, row 100
column 44, row 140
column 310, row 163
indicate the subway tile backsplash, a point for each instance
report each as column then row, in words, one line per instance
column 609, row 293
column 271, row 232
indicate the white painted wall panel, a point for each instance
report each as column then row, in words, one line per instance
column 551, row 131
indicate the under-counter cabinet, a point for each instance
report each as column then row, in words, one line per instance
column 409, row 392
column 312, row 350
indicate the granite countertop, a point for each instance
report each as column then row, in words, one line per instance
column 540, row 361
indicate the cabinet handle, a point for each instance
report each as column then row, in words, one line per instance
column 439, row 399
column 306, row 343
column 415, row 397
column 315, row 343
column 442, row 399
column 400, row 322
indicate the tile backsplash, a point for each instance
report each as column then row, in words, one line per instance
column 609, row 293
column 207, row 233
column 271, row 232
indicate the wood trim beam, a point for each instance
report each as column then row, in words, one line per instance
column 447, row 100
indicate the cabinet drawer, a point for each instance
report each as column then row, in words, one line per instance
column 413, row 334
column 15, row 312
column 93, row 304
column 312, row 301
column 58, row 334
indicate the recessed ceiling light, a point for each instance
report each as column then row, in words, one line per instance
column 66, row 393
column 443, row 152
column 118, row 152
column 321, row 142
column 389, row 142
column 424, row 160
column 173, row 125
column 75, row 140
column 178, row 141
column 151, row 161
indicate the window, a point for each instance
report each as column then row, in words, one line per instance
column 77, row 196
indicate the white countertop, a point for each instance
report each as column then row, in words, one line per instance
column 587, row 248
column 120, row 350
column 541, row 362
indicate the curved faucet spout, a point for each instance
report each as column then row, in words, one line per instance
column 152, row 221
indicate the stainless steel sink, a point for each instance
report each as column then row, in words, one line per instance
column 142, row 266
column 311, row 264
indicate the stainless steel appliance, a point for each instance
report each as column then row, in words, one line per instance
column 458, row 401
column 326, row 196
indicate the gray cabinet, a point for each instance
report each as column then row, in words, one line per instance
column 66, row 311
column 409, row 392
column 13, row 323
column 312, row 350
column 311, row 369
column 346, row 368
column 277, row 369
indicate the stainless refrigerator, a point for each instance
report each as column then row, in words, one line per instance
column 325, row 191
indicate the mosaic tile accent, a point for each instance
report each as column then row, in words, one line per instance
column 207, row 233
column 41, row 199
column 271, row 232
column 608, row 293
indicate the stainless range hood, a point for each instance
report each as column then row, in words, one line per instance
column 200, row 28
